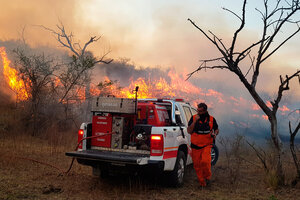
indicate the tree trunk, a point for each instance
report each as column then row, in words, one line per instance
column 294, row 154
column 274, row 129
column 278, row 149
column 88, row 101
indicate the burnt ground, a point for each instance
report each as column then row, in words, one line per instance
column 22, row 177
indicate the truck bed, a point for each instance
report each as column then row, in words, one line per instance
column 111, row 156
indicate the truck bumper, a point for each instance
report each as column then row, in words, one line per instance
column 109, row 159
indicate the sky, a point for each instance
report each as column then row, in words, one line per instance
column 150, row 33
column 154, row 34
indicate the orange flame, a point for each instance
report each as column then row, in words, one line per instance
column 284, row 109
column 265, row 117
column 158, row 88
column 146, row 89
column 176, row 86
column 12, row 77
column 80, row 94
column 57, row 82
column 94, row 91
column 180, row 84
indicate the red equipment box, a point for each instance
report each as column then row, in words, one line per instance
column 102, row 125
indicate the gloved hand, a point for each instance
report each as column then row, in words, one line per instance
column 197, row 117
column 212, row 134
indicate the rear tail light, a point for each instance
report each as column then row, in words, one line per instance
column 157, row 145
column 80, row 136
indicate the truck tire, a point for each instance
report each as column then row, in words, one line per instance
column 214, row 154
column 176, row 177
column 96, row 171
column 100, row 172
column 104, row 174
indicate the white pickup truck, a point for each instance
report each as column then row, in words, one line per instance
column 138, row 134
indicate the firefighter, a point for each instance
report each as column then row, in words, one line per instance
column 203, row 129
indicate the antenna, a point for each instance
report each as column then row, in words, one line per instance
column 136, row 95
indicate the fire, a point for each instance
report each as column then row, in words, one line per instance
column 80, row 94
column 175, row 86
column 156, row 88
column 57, row 82
column 94, row 91
column 145, row 89
column 160, row 88
column 180, row 84
column 284, row 109
column 216, row 95
column 12, row 78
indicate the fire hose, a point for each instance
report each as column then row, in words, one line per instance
column 91, row 137
column 61, row 170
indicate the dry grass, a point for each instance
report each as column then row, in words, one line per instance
column 25, row 179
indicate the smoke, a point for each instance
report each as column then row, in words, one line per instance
column 23, row 21
column 124, row 71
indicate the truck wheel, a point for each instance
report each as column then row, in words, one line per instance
column 96, row 171
column 103, row 173
column 214, row 154
column 176, row 177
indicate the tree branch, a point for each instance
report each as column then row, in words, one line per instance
column 92, row 39
column 212, row 40
column 288, row 38
column 237, row 31
column 251, row 66
column 284, row 85
column 203, row 66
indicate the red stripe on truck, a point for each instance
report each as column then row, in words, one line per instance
column 170, row 154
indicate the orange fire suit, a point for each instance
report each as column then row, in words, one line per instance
column 201, row 144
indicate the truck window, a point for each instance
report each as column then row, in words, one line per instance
column 167, row 116
column 187, row 113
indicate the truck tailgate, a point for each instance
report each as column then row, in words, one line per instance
column 111, row 156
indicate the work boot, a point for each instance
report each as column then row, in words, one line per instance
column 208, row 182
column 202, row 183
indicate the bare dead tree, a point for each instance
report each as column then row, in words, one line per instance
column 82, row 60
column 292, row 148
column 273, row 20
